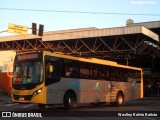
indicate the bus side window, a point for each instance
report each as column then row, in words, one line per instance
column 52, row 69
column 81, row 72
column 125, row 75
column 106, row 73
column 52, row 72
column 137, row 76
column 84, row 71
column 57, row 71
column 111, row 74
column 48, row 74
column 71, row 68
column 74, row 73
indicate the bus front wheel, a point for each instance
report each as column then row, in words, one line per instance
column 119, row 99
column 70, row 100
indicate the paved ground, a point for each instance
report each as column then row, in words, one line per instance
column 5, row 99
column 139, row 107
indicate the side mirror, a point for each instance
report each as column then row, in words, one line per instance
column 50, row 68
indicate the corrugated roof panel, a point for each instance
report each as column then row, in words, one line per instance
column 101, row 32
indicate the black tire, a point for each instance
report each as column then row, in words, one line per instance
column 119, row 99
column 70, row 100
column 41, row 106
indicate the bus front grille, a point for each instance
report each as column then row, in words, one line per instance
column 22, row 97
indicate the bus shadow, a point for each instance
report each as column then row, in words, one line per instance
column 90, row 107
column 86, row 107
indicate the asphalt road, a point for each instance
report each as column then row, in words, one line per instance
column 143, row 109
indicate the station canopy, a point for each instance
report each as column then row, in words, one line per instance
column 129, row 41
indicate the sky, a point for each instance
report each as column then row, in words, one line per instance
column 54, row 14
column 56, row 20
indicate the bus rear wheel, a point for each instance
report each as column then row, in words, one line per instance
column 119, row 99
column 70, row 100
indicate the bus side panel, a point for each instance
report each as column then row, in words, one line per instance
column 103, row 90
column 132, row 91
column 99, row 91
column 95, row 91
column 91, row 90
column 55, row 93
column 86, row 91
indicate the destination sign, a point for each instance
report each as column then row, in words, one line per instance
column 27, row 56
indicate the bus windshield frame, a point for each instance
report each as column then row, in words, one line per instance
column 27, row 71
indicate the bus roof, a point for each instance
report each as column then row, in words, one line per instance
column 91, row 60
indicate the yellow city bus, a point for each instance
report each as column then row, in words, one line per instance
column 48, row 78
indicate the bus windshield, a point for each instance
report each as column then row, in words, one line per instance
column 27, row 73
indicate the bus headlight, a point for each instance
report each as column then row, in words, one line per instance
column 37, row 92
column 40, row 90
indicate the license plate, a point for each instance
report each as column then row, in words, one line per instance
column 21, row 98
